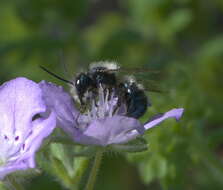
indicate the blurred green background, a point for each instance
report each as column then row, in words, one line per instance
column 182, row 39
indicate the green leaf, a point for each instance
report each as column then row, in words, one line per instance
column 137, row 145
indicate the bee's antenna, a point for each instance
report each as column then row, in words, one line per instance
column 56, row 76
column 62, row 62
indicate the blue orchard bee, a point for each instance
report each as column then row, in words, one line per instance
column 104, row 74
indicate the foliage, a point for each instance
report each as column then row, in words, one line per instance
column 182, row 39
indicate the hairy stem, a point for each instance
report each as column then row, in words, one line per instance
column 93, row 175
column 13, row 183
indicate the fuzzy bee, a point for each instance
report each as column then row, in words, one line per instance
column 104, row 74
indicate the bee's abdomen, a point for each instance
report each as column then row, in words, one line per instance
column 137, row 104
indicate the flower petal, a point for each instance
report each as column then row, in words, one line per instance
column 174, row 113
column 24, row 123
column 20, row 100
column 62, row 104
column 110, row 130
column 42, row 128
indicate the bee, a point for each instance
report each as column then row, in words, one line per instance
column 104, row 74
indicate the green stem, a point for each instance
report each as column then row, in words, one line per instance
column 94, row 170
column 3, row 186
column 13, row 183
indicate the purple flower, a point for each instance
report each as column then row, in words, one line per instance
column 24, row 123
column 104, row 124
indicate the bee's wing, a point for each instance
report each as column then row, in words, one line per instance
column 145, row 79
column 150, row 85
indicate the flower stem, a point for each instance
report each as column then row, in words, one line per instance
column 93, row 175
column 3, row 186
column 15, row 185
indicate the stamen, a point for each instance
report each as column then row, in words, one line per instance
column 101, row 96
column 93, row 112
column 105, row 105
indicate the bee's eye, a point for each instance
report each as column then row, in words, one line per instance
column 78, row 82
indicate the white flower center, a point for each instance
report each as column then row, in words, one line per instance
column 106, row 105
